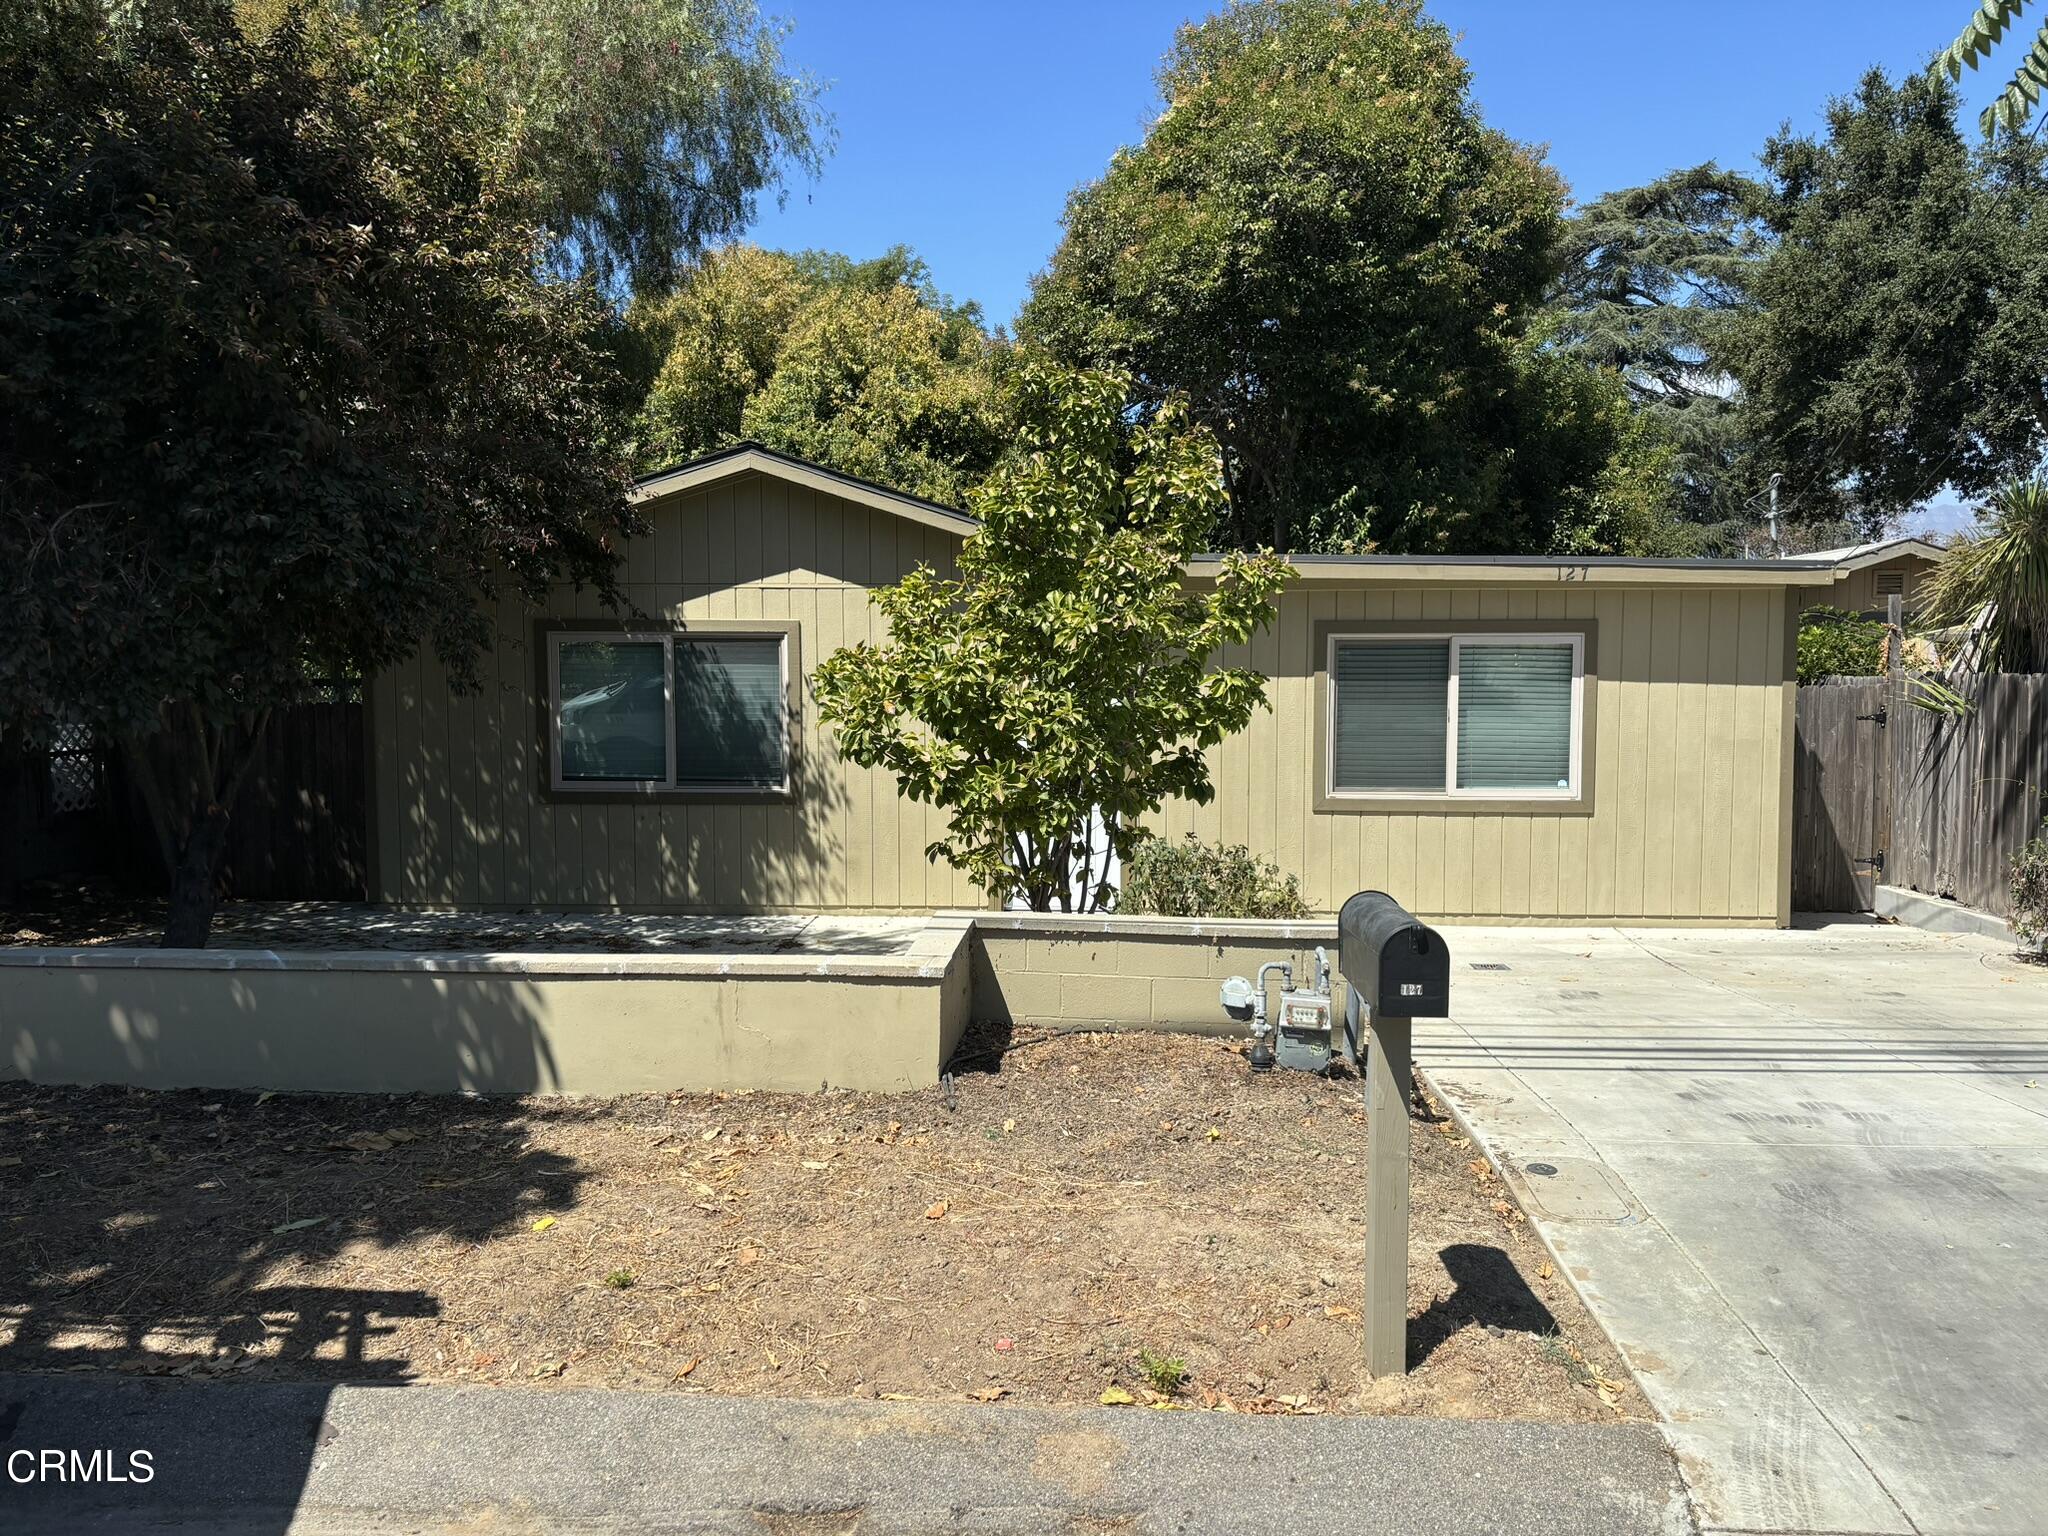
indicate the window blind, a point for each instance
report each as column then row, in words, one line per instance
column 1514, row 716
column 729, row 712
column 1390, row 715
column 614, row 720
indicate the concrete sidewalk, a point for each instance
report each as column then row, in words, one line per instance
column 250, row 1457
column 1798, row 1178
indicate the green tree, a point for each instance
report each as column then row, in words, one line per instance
column 1323, row 248
column 1900, row 335
column 863, row 366
column 1999, row 575
column 1984, row 31
column 282, row 395
column 1836, row 643
column 638, row 131
column 1653, row 281
column 1062, row 681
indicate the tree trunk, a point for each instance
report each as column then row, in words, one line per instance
column 192, row 880
column 206, row 766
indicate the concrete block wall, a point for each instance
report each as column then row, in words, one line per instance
column 1047, row 970
column 394, row 1022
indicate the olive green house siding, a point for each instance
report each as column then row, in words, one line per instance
column 1684, row 814
column 462, row 814
column 1680, row 811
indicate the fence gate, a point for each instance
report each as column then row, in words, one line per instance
column 1841, row 795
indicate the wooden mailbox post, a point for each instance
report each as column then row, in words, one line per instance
column 1396, row 970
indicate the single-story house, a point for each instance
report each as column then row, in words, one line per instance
column 1867, row 575
column 1515, row 739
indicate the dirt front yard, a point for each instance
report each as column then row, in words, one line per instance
column 1074, row 1219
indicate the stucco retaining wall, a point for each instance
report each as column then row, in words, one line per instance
column 412, row 1023
column 1046, row 970
column 416, row 1022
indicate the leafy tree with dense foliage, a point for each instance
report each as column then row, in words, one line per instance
column 280, row 392
column 636, row 131
column 1984, row 31
column 1900, row 335
column 1836, row 643
column 1062, row 681
column 862, row 366
column 1653, row 281
column 1323, row 248
column 1999, row 576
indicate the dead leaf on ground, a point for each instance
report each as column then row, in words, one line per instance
column 935, row 1211
column 1116, row 1397
column 987, row 1394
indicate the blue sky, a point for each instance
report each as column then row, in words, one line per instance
column 962, row 126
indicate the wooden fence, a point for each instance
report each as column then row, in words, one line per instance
column 1838, row 783
column 298, row 832
column 1967, row 791
column 299, row 828
column 1945, row 799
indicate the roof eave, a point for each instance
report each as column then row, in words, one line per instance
column 753, row 458
column 1516, row 570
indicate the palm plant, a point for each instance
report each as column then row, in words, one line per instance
column 2000, row 577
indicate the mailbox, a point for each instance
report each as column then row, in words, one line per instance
column 1401, row 969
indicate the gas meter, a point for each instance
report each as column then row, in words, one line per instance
column 1302, row 1037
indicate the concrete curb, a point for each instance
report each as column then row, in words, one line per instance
column 1936, row 914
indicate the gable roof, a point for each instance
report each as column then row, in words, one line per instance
column 755, row 459
column 1854, row 557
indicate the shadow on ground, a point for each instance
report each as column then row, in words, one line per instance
column 116, row 1255
column 1487, row 1291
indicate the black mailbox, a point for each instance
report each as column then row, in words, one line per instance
column 1400, row 968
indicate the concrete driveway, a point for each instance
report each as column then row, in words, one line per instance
column 1802, row 1179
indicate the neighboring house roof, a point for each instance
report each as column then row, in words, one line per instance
column 1854, row 557
column 753, row 458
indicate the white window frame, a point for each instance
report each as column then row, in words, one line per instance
column 668, row 640
column 1458, row 639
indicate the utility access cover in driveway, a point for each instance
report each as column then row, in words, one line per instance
column 1828, row 1149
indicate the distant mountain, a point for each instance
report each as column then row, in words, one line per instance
column 1941, row 520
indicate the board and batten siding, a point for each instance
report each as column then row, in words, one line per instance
column 459, row 819
column 1692, row 772
column 1856, row 591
